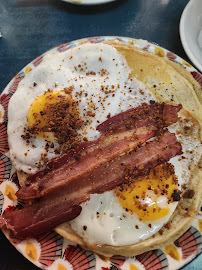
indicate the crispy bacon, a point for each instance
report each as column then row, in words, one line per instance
column 125, row 131
column 158, row 113
column 103, row 150
column 170, row 113
column 49, row 211
column 23, row 227
column 60, row 161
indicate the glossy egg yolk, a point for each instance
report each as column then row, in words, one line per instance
column 55, row 114
column 38, row 115
column 149, row 196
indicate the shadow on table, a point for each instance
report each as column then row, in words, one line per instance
column 72, row 8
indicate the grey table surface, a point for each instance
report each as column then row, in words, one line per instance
column 31, row 27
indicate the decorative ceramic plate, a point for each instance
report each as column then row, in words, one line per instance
column 190, row 26
column 88, row 2
column 51, row 251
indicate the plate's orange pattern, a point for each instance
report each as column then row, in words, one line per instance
column 51, row 251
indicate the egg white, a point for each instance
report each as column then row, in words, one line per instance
column 104, row 221
column 185, row 163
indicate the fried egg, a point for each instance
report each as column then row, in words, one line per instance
column 130, row 213
column 100, row 83
column 137, row 211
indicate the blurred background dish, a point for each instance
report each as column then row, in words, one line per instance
column 88, row 2
column 190, row 27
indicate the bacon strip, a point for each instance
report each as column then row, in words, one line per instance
column 49, row 211
column 60, row 161
column 32, row 221
column 161, row 113
column 125, row 132
column 102, row 151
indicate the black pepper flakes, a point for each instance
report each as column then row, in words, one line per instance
column 176, row 195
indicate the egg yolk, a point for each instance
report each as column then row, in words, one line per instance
column 55, row 115
column 142, row 196
column 37, row 115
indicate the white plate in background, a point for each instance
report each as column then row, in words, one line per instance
column 190, row 27
column 88, row 2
